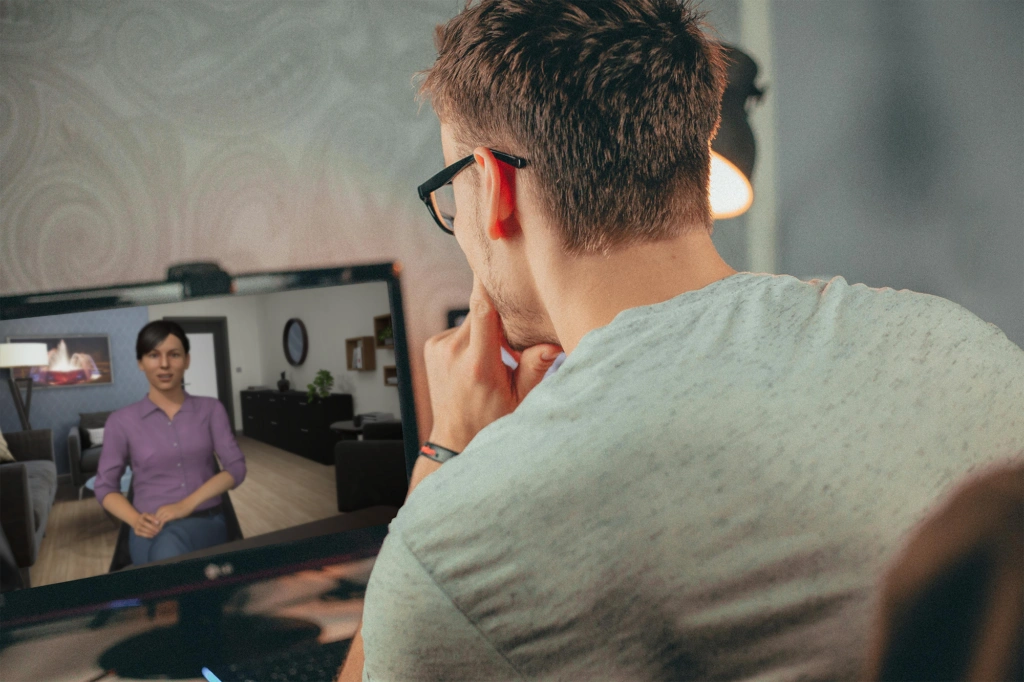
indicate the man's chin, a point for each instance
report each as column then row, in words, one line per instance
column 522, row 330
column 520, row 338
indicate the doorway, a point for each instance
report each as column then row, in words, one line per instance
column 209, row 372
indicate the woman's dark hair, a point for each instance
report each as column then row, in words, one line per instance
column 154, row 333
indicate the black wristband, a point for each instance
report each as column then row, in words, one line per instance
column 436, row 452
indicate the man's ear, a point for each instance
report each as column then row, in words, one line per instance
column 498, row 195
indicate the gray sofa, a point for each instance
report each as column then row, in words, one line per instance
column 83, row 457
column 28, row 488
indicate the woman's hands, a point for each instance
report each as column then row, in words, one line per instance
column 170, row 512
column 147, row 526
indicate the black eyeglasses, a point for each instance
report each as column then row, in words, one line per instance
column 438, row 195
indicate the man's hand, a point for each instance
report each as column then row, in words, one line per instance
column 170, row 512
column 470, row 386
column 147, row 526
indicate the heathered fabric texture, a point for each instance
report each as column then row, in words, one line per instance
column 708, row 488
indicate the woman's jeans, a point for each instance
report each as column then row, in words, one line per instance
column 178, row 537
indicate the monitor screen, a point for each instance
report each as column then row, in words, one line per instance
column 306, row 364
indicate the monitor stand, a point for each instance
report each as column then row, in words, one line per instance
column 204, row 635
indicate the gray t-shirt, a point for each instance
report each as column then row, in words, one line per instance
column 708, row 488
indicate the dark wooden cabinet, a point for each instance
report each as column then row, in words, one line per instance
column 288, row 421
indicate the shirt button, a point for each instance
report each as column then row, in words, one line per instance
column 175, row 445
column 182, row 485
column 179, row 464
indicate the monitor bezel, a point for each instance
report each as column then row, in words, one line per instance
column 172, row 580
column 88, row 594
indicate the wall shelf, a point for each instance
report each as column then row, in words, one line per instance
column 366, row 351
column 381, row 322
column 390, row 376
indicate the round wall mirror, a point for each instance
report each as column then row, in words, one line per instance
column 296, row 342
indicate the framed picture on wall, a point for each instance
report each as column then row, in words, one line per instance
column 75, row 360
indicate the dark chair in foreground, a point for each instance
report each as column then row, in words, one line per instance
column 952, row 603
column 28, row 487
column 10, row 574
column 123, row 557
column 371, row 471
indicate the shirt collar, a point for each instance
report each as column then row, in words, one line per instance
column 149, row 407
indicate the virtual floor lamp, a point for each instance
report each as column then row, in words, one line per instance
column 732, row 151
column 14, row 355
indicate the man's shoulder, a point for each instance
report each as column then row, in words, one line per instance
column 925, row 321
column 834, row 308
column 469, row 493
column 459, row 485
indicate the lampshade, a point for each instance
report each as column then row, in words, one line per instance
column 733, row 150
column 23, row 355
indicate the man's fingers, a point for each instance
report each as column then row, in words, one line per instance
column 440, row 349
column 479, row 300
column 485, row 334
column 533, row 364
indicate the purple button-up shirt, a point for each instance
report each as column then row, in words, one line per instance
column 170, row 458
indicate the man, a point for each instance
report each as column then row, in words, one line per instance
column 710, row 484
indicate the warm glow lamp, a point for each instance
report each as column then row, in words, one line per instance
column 733, row 150
column 22, row 355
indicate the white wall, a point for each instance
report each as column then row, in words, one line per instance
column 246, row 337
column 331, row 315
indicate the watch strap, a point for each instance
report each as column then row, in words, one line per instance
column 438, row 453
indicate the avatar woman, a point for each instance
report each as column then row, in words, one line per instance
column 169, row 438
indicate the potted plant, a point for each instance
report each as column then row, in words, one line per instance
column 386, row 337
column 321, row 386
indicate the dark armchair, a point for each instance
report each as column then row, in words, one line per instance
column 83, row 456
column 371, row 471
column 28, row 487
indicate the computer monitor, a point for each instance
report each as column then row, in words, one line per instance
column 247, row 333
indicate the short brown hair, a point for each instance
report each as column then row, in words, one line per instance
column 613, row 102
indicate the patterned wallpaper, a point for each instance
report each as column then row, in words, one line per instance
column 58, row 408
column 263, row 135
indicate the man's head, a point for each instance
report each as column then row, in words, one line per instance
column 613, row 103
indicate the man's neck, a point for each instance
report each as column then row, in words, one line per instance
column 582, row 293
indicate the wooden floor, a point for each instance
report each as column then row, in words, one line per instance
column 280, row 490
